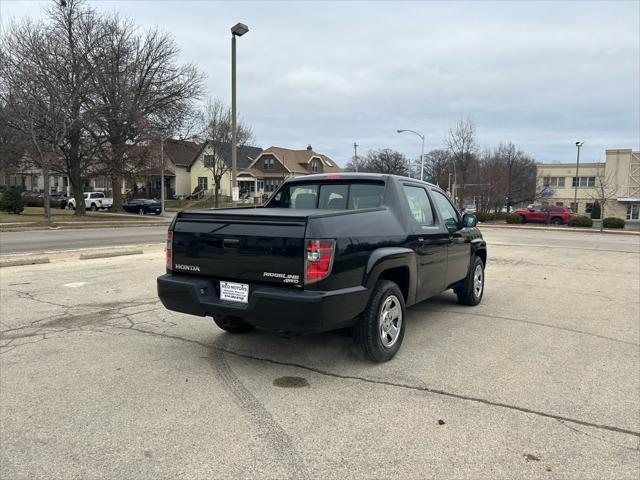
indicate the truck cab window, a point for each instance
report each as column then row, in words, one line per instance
column 419, row 204
column 330, row 196
column 447, row 211
column 333, row 197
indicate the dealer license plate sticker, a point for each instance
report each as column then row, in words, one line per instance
column 234, row 292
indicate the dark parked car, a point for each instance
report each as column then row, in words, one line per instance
column 326, row 252
column 58, row 200
column 142, row 206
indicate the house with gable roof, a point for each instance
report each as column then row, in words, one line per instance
column 275, row 164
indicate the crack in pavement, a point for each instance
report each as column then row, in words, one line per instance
column 598, row 438
column 511, row 319
column 435, row 391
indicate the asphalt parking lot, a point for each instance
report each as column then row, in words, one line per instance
column 98, row 380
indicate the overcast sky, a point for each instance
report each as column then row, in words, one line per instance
column 540, row 74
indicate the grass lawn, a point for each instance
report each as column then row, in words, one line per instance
column 35, row 216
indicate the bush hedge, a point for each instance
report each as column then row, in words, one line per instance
column 11, row 201
column 613, row 222
column 490, row 216
column 512, row 218
column 580, row 221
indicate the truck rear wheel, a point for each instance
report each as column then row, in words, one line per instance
column 381, row 326
column 233, row 324
column 472, row 288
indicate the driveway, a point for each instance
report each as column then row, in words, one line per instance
column 541, row 380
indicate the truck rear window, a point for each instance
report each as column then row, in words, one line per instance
column 330, row 196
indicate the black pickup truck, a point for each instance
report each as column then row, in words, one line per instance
column 325, row 252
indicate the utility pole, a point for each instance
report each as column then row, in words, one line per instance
column 355, row 156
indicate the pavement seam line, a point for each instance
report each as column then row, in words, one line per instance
column 401, row 385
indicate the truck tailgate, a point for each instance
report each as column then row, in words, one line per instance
column 241, row 245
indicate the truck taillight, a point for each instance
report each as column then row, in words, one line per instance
column 169, row 251
column 318, row 259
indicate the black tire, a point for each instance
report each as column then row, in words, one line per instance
column 94, row 208
column 72, row 206
column 368, row 331
column 158, row 213
column 466, row 292
column 556, row 221
column 523, row 219
column 141, row 211
column 233, row 324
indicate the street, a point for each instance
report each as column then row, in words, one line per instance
column 38, row 241
column 541, row 380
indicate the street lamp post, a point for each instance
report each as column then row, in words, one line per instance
column 575, row 195
column 237, row 30
column 421, row 151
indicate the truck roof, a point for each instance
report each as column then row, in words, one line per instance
column 354, row 176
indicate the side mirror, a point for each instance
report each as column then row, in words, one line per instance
column 469, row 220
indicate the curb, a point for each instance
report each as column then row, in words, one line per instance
column 61, row 256
column 24, row 261
column 121, row 253
column 558, row 229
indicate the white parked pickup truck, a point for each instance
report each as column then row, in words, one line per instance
column 93, row 201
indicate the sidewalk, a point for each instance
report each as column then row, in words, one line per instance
column 558, row 229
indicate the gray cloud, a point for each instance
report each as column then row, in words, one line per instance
column 542, row 74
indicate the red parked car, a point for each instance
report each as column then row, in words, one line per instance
column 555, row 214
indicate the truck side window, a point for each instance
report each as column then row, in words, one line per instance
column 448, row 211
column 419, row 204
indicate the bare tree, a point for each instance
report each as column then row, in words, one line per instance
column 605, row 190
column 438, row 164
column 141, row 90
column 461, row 143
column 384, row 161
column 43, row 72
column 217, row 133
column 517, row 171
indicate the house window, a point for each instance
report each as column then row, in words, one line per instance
column 589, row 207
column 633, row 211
column 203, row 183
column 208, row 161
column 559, row 204
column 315, row 166
column 261, row 185
column 574, row 207
column 268, row 163
column 553, row 181
column 102, row 182
column 583, row 181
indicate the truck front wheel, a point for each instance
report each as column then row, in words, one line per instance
column 381, row 326
column 233, row 324
column 470, row 291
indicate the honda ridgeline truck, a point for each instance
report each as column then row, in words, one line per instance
column 325, row 252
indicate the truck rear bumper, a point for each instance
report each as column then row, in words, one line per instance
column 292, row 310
